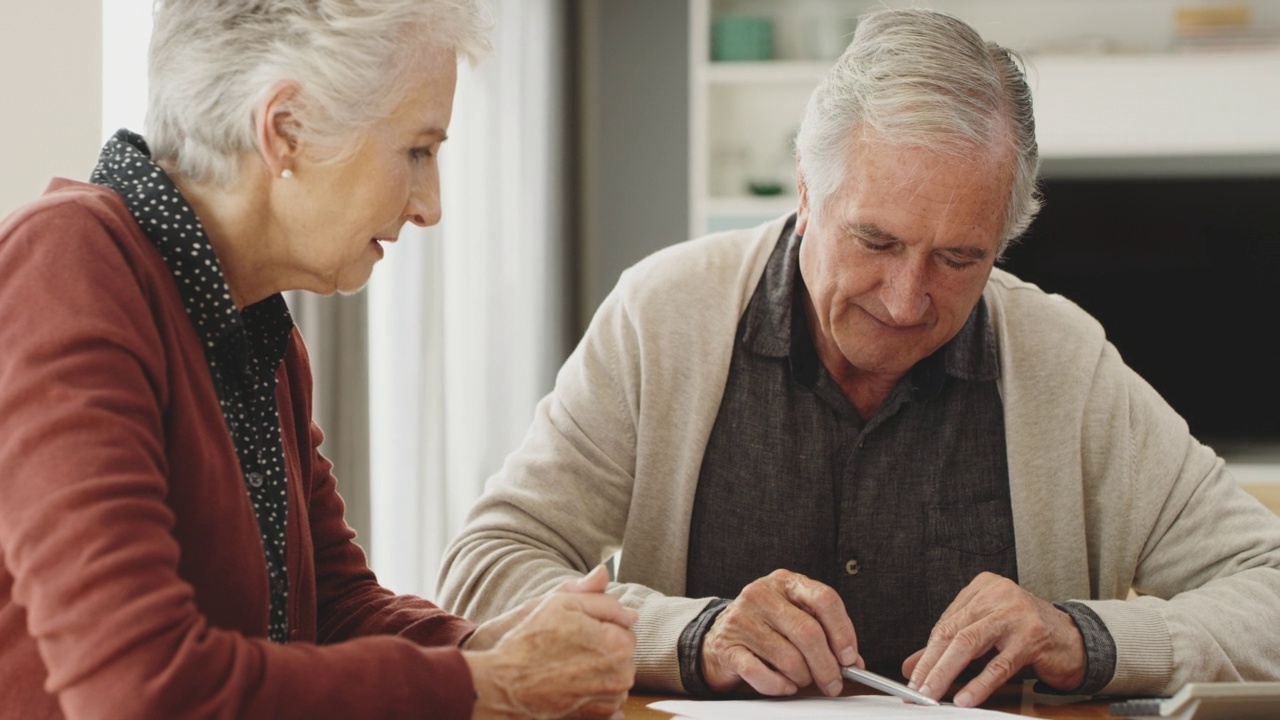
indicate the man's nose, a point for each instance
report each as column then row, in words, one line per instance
column 906, row 294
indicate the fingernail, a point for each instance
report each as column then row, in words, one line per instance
column 848, row 656
column 618, row 716
column 964, row 699
column 835, row 687
column 924, row 690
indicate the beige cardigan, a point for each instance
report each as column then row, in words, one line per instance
column 1109, row 489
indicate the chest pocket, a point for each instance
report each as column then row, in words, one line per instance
column 964, row 540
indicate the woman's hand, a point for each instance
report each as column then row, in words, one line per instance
column 566, row 655
column 488, row 634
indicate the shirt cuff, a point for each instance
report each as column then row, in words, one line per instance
column 690, row 649
column 1099, row 651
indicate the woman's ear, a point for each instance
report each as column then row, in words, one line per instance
column 277, row 128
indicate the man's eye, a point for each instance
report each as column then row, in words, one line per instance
column 421, row 153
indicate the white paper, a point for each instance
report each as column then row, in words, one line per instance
column 870, row 707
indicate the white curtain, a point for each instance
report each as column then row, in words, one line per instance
column 468, row 319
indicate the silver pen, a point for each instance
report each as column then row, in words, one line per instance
column 884, row 684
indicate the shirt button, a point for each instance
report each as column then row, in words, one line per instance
column 255, row 479
column 851, row 567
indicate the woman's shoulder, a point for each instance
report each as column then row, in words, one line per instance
column 71, row 210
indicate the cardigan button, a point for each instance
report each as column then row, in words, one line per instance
column 851, row 567
column 255, row 479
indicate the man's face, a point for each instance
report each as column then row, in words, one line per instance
column 897, row 257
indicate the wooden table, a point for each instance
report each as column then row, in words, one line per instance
column 1016, row 699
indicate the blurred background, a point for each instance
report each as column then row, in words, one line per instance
column 603, row 130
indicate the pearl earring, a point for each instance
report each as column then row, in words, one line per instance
column 286, row 173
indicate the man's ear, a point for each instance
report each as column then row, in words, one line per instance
column 802, row 212
column 277, row 128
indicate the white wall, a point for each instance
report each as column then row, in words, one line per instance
column 51, row 94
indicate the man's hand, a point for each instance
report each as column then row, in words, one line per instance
column 993, row 613
column 783, row 632
column 567, row 655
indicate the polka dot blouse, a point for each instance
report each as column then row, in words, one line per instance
column 244, row 348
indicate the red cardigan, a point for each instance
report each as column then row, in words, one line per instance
column 132, row 580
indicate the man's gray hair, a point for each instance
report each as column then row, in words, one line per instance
column 922, row 78
column 211, row 61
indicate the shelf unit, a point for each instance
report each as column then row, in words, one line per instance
column 1137, row 108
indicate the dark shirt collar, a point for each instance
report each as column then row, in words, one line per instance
column 167, row 219
column 778, row 328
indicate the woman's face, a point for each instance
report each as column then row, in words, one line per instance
column 339, row 214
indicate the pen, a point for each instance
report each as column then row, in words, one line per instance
column 870, row 679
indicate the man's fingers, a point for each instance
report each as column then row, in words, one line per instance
column 964, row 646
column 909, row 665
column 802, row 633
column 999, row 671
column 825, row 604
column 781, row 621
column 926, row 659
column 760, row 638
column 761, row 677
column 959, row 619
column 792, row 604
column 744, row 636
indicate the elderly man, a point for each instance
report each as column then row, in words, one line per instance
column 845, row 438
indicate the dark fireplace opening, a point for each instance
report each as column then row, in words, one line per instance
column 1184, row 275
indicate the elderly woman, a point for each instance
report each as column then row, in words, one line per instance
column 173, row 541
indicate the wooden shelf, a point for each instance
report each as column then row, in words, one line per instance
column 777, row 71
column 1159, row 105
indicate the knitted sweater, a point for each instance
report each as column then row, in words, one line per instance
column 1109, row 489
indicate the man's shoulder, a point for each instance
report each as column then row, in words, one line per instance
column 1018, row 303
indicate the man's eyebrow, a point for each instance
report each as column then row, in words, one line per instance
column 870, row 230
column 973, row 253
column 435, row 133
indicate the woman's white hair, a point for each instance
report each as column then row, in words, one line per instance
column 211, row 61
column 922, row 78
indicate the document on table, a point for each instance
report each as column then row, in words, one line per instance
column 852, row 707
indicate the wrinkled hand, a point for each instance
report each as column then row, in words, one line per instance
column 993, row 613
column 567, row 655
column 782, row 633
column 488, row 634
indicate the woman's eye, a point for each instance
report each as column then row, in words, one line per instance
column 421, row 153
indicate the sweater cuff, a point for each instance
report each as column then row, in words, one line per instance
column 662, row 620
column 1099, row 651
column 690, row 649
